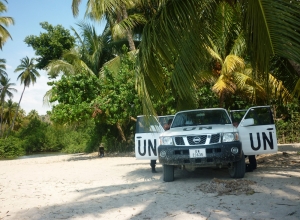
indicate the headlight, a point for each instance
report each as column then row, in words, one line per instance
column 232, row 136
column 166, row 141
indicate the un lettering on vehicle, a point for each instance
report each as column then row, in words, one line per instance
column 146, row 146
column 258, row 141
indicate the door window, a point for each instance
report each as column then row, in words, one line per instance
column 261, row 116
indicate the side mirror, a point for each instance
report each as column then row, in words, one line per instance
column 247, row 122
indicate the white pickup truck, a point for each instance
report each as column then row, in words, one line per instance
column 209, row 137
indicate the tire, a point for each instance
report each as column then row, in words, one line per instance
column 238, row 169
column 168, row 171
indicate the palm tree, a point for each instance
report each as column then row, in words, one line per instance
column 27, row 76
column 116, row 14
column 5, row 90
column 33, row 114
column 3, row 68
column 177, row 36
column 90, row 55
column 227, row 50
column 8, row 114
column 4, row 21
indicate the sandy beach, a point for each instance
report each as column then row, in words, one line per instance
column 85, row 186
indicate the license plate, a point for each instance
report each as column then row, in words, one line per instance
column 197, row 153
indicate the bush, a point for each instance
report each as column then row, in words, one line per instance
column 288, row 131
column 112, row 144
column 85, row 138
column 33, row 136
column 288, row 125
column 53, row 137
column 10, row 148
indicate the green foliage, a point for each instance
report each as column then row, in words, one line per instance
column 33, row 136
column 10, row 148
column 50, row 45
column 39, row 136
column 166, row 105
column 206, row 97
column 74, row 95
column 109, row 138
column 111, row 101
column 288, row 123
column 74, row 141
column 53, row 139
column 112, row 144
column 84, row 138
column 118, row 100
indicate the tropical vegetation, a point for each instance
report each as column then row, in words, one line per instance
column 155, row 57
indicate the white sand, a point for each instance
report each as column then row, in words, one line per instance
column 89, row 187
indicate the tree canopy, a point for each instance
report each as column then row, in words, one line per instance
column 51, row 44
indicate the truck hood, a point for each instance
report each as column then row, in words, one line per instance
column 199, row 130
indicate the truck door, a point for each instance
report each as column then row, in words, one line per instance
column 146, row 137
column 257, row 130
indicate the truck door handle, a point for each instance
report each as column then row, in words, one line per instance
column 269, row 128
column 139, row 137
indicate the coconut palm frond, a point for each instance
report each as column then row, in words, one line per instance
column 129, row 23
column 142, row 91
column 279, row 90
column 75, row 7
column 47, row 97
column 239, row 46
column 296, row 91
column 4, row 34
column 248, row 85
column 56, row 67
column 214, row 53
column 114, row 64
column 82, row 65
column 272, row 28
column 205, row 76
column 167, row 43
column 98, row 9
column 232, row 64
column 224, row 85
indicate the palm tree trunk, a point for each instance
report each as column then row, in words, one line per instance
column 13, row 122
column 129, row 32
column 222, row 98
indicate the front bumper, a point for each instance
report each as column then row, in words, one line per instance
column 215, row 154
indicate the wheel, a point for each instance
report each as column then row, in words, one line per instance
column 238, row 169
column 168, row 171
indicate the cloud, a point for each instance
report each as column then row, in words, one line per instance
column 33, row 96
column 8, row 67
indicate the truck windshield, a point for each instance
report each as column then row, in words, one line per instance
column 201, row 117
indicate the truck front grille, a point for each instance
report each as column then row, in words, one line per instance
column 197, row 140
column 179, row 141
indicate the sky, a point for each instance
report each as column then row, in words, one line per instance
column 28, row 14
